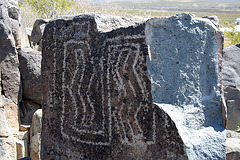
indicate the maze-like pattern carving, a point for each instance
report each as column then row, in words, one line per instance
column 97, row 99
column 103, row 91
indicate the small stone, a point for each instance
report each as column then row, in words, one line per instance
column 24, row 128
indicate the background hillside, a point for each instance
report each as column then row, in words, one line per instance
column 226, row 10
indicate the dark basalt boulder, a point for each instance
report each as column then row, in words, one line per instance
column 97, row 101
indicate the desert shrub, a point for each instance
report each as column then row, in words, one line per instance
column 232, row 34
column 49, row 9
column 238, row 128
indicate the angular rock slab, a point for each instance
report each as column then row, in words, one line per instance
column 35, row 135
column 231, row 84
column 97, row 100
column 232, row 145
column 183, row 68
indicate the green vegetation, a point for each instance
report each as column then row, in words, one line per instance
column 238, row 128
column 32, row 9
column 50, row 8
column 232, row 35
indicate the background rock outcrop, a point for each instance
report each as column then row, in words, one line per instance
column 231, row 85
column 183, row 68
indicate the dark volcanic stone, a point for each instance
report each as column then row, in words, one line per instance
column 30, row 67
column 9, row 64
column 97, row 101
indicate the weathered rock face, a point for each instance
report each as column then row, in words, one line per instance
column 12, row 114
column 30, row 67
column 8, row 53
column 11, row 38
column 233, row 145
column 97, row 101
column 8, row 148
column 4, row 129
column 35, row 135
column 231, row 85
column 183, row 68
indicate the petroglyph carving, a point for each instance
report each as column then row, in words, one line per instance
column 97, row 100
column 81, row 82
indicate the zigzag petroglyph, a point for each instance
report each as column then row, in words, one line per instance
column 97, row 95
column 120, row 71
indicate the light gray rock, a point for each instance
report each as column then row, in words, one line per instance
column 22, row 144
column 8, row 148
column 30, row 67
column 213, row 19
column 29, row 32
column 11, row 114
column 24, row 37
column 35, row 135
column 233, row 145
column 106, row 23
column 232, row 134
column 4, row 129
column 231, row 85
column 183, row 68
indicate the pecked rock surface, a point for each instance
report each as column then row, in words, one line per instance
column 183, row 68
column 97, row 101
column 231, row 84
